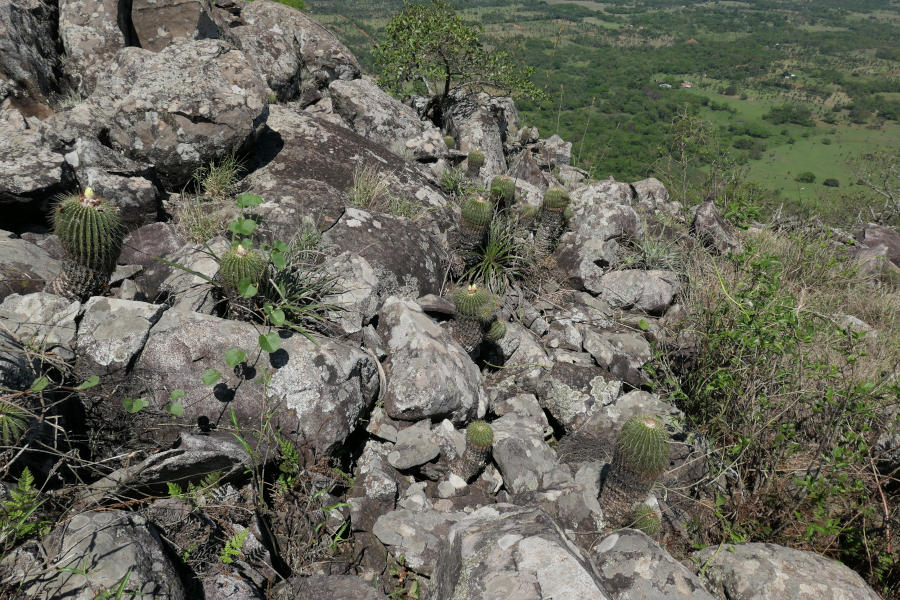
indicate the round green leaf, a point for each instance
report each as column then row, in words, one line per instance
column 234, row 357
column 176, row 395
column 270, row 342
column 133, row 405
column 210, row 376
column 89, row 383
column 176, row 409
column 40, row 384
column 249, row 200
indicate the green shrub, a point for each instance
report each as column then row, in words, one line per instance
column 831, row 182
column 806, row 177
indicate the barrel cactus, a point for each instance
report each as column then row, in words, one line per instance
column 91, row 234
column 497, row 331
column 479, row 438
column 475, row 162
column 503, row 190
column 551, row 220
column 475, row 219
column 451, row 142
column 645, row 519
column 474, row 308
column 241, row 263
column 641, row 455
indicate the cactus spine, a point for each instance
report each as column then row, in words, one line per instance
column 641, row 455
column 551, row 220
column 497, row 331
column 474, row 308
column 91, row 234
column 479, row 438
column 241, row 263
column 645, row 519
column 503, row 190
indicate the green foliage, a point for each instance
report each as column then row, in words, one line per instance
column 13, row 423
column 196, row 494
column 504, row 257
column 477, row 213
column 18, row 520
column 831, row 182
column 456, row 183
column 471, row 301
column 233, row 547
column 430, row 46
column 480, row 435
column 645, row 519
column 790, row 113
column 290, row 464
column 806, row 177
column 643, row 447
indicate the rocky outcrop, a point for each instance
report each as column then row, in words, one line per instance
column 713, row 231
column 24, row 267
column 28, row 55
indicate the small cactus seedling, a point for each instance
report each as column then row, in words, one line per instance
column 645, row 519
column 641, row 455
column 477, row 214
column 497, row 331
column 241, row 263
column 451, row 142
column 503, row 190
column 551, row 220
column 479, row 438
column 91, row 234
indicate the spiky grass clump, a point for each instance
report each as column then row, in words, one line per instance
column 503, row 190
column 242, row 264
column 13, row 423
column 645, row 519
column 217, row 182
column 504, row 257
column 369, row 187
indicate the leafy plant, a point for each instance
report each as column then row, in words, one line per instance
column 13, row 423
column 18, row 521
column 504, row 257
column 233, row 546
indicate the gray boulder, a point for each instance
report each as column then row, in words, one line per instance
column 472, row 122
column 28, row 55
column 374, row 114
column 24, row 267
column 314, row 393
column 608, row 191
column 31, row 174
column 429, row 374
column 111, row 334
column 712, row 230
column 159, row 23
column 91, row 36
column 94, row 552
column 291, row 203
column 650, row 192
column 524, row 459
column 649, row 291
column 555, row 152
column 509, row 552
column 47, row 321
column 622, row 354
column 573, row 393
column 756, row 571
column 182, row 107
column 375, row 486
column 884, row 240
column 416, row 445
column 334, row 587
column 633, row 567
column 417, row 536
column 289, row 49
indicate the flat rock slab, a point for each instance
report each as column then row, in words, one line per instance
column 30, row 173
column 111, row 333
column 634, row 567
column 649, row 291
column 415, row 446
column 43, row 320
column 313, row 392
column 333, row 587
column 418, row 536
column 508, row 552
column 756, row 571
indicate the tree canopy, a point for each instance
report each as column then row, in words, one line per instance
column 431, row 47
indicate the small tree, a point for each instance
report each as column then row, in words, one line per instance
column 430, row 46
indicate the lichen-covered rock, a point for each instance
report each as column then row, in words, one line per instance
column 429, row 375
column 416, row 445
column 622, row 354
column 555, row 152
column 316, row 587
column 92, row 553
column 375, row 485
column 374, row 114
column 573, row 393
column 314, row 392
column 606, row 192
column 24, row 267
column 159, row 23
column 298, row 145
column 91, row 36
column 631, row 566
column 523, row 457
column 28, row 54
column 475, row 125
column 884, row 240
column 180, row 108
column 650, row 192
column 288, row 48
column 756, row 571
column 111, row 333
column 417, row 536
column 290, row 204
column 509, row 552
column 47, row 321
